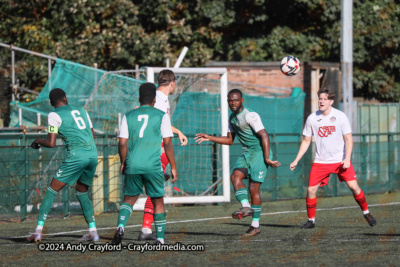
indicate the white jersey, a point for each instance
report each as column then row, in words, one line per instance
column 162, row 102
column 328, row 132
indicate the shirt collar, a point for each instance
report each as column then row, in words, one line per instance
column 162, row 95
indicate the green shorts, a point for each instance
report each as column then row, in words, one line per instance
column 77, row 168
column 253, row 161
column 152, row 182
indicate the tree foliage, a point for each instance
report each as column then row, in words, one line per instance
column 119, row 34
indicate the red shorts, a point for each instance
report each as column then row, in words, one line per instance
column 319, row 173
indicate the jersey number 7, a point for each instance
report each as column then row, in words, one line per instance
column 146, row 120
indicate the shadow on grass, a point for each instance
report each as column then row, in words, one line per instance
column 382, row 235
column 15, row 239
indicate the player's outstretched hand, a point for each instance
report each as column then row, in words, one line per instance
column 293, row 165
column 35, row 145
column 200, row 137
column 174, row 175
column 182, row 138
column 273, row 164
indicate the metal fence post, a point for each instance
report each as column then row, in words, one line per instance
column 390, row 162
column 23, row 199
column 106, row 175
column 274, row 170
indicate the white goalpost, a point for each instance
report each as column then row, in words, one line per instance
column 225, row 197
column 199, row 104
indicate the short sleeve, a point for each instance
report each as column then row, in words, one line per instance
column 123, row 129
column 345, row 124
column 166, row 130
column 230, row 129
column 254, row 120
column 90, row 122
column 307, row 128
column 54, row 120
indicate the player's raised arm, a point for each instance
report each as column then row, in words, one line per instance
column 224, row 140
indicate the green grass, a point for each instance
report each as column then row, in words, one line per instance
column 341, row 237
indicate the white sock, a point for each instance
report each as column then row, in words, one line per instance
column 146, row 230
column 39, row 228
column 255, row 224
column 246, row 205
column 123, row 229
column 365, row 212
column 313, row 220
column 93, row 229
column 161, row 240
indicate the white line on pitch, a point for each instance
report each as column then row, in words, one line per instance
column 219, row 218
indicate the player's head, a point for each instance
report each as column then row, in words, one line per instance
column 166, row 78
column 147, row 94
column 58, row 97
column 325, row 99
column 235, row 100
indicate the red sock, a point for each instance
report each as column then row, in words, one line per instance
column 360, row 198
column 148, row 213
column 311, row 207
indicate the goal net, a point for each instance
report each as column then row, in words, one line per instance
column 198, row 105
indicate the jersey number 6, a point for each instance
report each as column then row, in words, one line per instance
column 79, row 121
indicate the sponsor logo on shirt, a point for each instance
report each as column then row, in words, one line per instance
column 319, row 120
column 324, row 131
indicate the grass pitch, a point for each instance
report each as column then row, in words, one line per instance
column 341, row 237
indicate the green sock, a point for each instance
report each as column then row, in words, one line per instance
column 46, row 204
column 256, row 215
column 87, row 208
column 241, row 195
column 160, row 221
column 124, row 213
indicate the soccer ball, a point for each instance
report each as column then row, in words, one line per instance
column 290, row 65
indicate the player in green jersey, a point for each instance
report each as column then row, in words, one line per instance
column 139, row 149
column 73, row 124
column 253, row 163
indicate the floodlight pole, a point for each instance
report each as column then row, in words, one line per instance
column 346, row 58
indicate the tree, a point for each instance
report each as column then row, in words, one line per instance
column 119, row 34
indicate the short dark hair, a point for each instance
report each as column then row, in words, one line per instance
column 165, row 77
column 327, row 90
column 237, row 91
column 147, row 93
column 56, row 95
